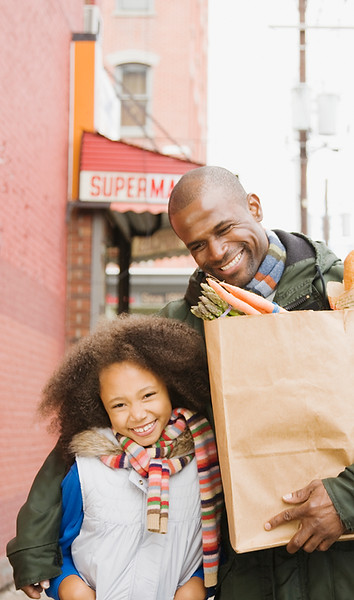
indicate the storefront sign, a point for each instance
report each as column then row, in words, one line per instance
column 139, row 188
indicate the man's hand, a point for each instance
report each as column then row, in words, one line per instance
column 35, row 590
column 319, row 522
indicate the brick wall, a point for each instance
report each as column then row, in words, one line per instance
column 34, row 113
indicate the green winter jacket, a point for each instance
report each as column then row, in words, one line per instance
column 263, row 575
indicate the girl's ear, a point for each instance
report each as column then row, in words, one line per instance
column 255, row 207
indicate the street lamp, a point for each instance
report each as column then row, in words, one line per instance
column 327, row 112
column 327, row 108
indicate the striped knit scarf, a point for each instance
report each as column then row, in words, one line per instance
column 156, row 464
column 271, row 269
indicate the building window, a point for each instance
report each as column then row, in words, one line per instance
column 133, row 83
column 134, row 6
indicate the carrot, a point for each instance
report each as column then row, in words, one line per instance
column 258, row 302
column 232, row 300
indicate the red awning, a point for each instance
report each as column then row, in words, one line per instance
column 128, row 177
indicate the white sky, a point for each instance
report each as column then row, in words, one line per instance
column 252, row 69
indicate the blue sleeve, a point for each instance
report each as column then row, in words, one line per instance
column 71, row 521
column 199, row 572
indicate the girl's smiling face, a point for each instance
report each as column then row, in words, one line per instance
column 137, row 402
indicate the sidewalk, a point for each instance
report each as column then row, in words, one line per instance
column 10, row 593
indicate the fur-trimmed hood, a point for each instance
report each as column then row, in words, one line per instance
column 95, row 442
column 102, row 442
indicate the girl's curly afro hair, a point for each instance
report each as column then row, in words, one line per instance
column 170, row 349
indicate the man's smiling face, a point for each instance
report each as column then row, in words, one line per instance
column 224, row 234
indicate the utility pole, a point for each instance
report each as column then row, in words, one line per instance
column 301, row 97
column 303, row 132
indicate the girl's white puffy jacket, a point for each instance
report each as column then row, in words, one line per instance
column 115, row 553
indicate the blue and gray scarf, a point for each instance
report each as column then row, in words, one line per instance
column 271, row 269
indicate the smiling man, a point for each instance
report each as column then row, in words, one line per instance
column 221, row 225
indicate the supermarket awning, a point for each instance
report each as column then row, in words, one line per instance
column 134, row 185
column 128, row 177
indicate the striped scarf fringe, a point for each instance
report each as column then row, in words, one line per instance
column 270, row 271
column 157, row 464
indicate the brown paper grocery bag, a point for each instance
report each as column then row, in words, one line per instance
column 283, row 400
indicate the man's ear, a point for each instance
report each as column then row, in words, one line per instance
column 255, row 207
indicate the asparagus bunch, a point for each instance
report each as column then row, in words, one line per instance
column 211, row 306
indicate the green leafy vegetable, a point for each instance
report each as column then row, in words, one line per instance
column 211, row 306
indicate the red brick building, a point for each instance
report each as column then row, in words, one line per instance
column 161, row 91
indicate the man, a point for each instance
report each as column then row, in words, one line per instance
column 222, row 227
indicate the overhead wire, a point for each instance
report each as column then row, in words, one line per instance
column 146, row 113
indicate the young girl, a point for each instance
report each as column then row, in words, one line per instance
column 141, row 504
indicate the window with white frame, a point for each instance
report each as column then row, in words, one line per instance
column 133, row 81
column 132, row 6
